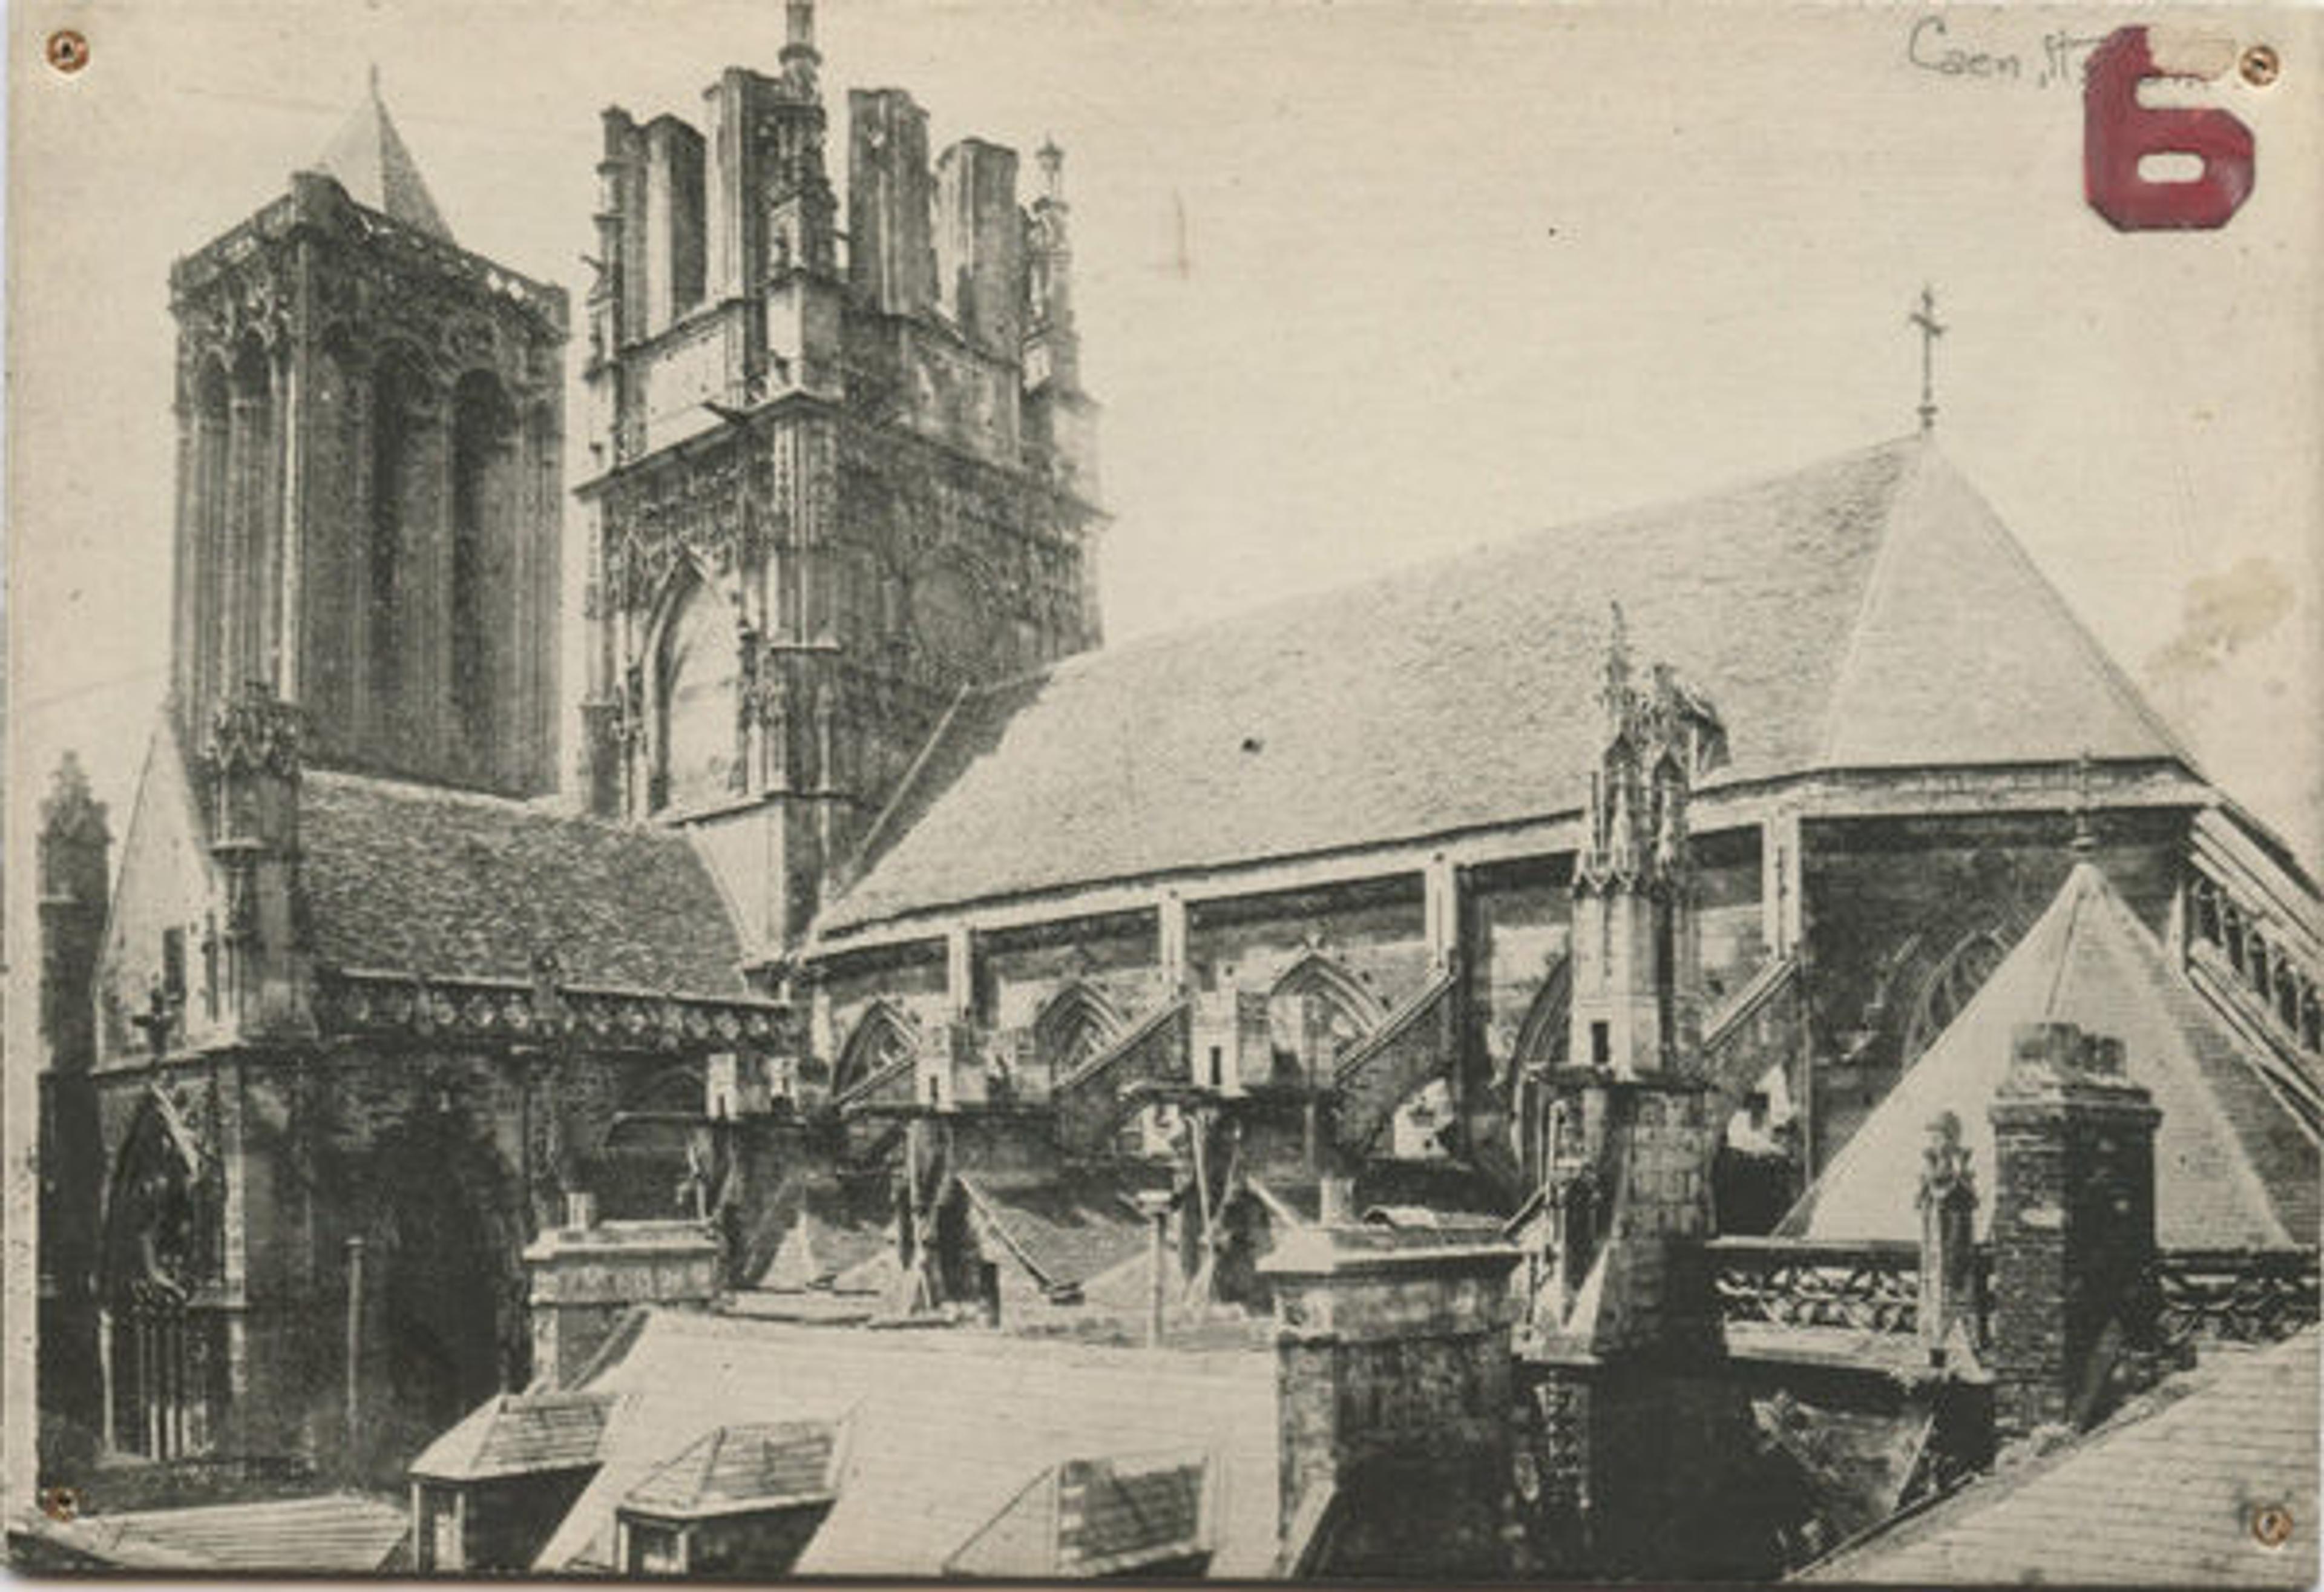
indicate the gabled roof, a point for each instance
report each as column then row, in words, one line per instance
column 2233, row 1166
column 370, row 160
column 432, row 882
column 1824, row 612
column 2162, row 1496
column 759, row 1464
column 337, row 1533
column 1064, row 1229
column 520, row 1434
column 944, row 1428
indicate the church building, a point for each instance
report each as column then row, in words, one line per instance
column 362, row 1008
column 889, row 934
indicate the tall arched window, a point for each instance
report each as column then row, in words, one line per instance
column 251, row 458
column 483, row 606
column 211, row 540
column 398, row 395
column 698, row 670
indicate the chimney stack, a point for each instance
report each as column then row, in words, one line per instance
column 1393, row 1359
column 2073, row 1229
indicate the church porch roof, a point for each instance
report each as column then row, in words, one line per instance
column 440, row 883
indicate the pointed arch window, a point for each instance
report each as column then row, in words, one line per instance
column 158, row 1363
column 483, row 598
column 1316, row 1012
column 697, row 701
column 1078, row 1024
column 882, row 1040
column 251, row 455
column 212, row 428
column 399, row 395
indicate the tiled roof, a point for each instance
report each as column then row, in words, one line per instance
column 755, row 1466
column 2162, row 1496
column 520, row 1434
column 338, row 1533
column 369, row 159
column 1097, row 1517
column 828, row 1232
column 2232, row 1167
column 422, row 880
column 1064, row 1229
column 945, row 1427
column 1823, row 612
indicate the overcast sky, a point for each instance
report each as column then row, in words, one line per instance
column 1360, row 285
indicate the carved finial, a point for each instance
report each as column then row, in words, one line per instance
column 255, row 731
column 1945, row 1159
column 70, row 811
column 1931, row 329
column 373, row 80
column 1617, row 696
column 1052, row 169
column 798, row 34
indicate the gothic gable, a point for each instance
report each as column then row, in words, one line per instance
column 160, row 937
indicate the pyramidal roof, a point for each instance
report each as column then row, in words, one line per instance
column 1869, row 611
column 2233, row 1166
column 370, row 160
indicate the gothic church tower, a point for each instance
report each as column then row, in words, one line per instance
column 369, row 430
column 839, row 477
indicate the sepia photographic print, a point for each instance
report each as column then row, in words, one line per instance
column 1442, row 792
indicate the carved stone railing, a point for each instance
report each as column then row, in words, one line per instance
column 2228, row 1296
column 2205, row 1298
column 1868, row 1287
column 514, row 1011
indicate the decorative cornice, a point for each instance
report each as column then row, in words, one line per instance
column 535, row 1013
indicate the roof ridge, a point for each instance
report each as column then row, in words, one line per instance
column 1883, row 559
column 2048, row 592
column 1337, row 592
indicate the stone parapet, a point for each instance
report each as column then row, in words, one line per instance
column 584, row 1278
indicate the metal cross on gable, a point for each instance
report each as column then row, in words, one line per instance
column 1931, row 329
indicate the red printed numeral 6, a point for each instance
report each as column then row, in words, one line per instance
column 2117, row 132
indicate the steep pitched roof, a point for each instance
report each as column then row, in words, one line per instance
column 1823, row 611
column 370, row 160
column 336, row 1534
column 756, row 1465
column 945, row 1427
column 2233, row 1166
column 520, row 1434
column 2163, row 1495
column 1064, row 1229
column 422, row 880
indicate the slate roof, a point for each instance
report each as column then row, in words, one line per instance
column 1091, row 1518
column 370, row 160
column 422, row 880
column 2234, row 1167
column 520, row 1434
column 829, row 1232
column 754, row 1466
column 2162, row 1496
column 337, row 1533
column 1064, row 1229
column 945, row 1427
column 1824, row 613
